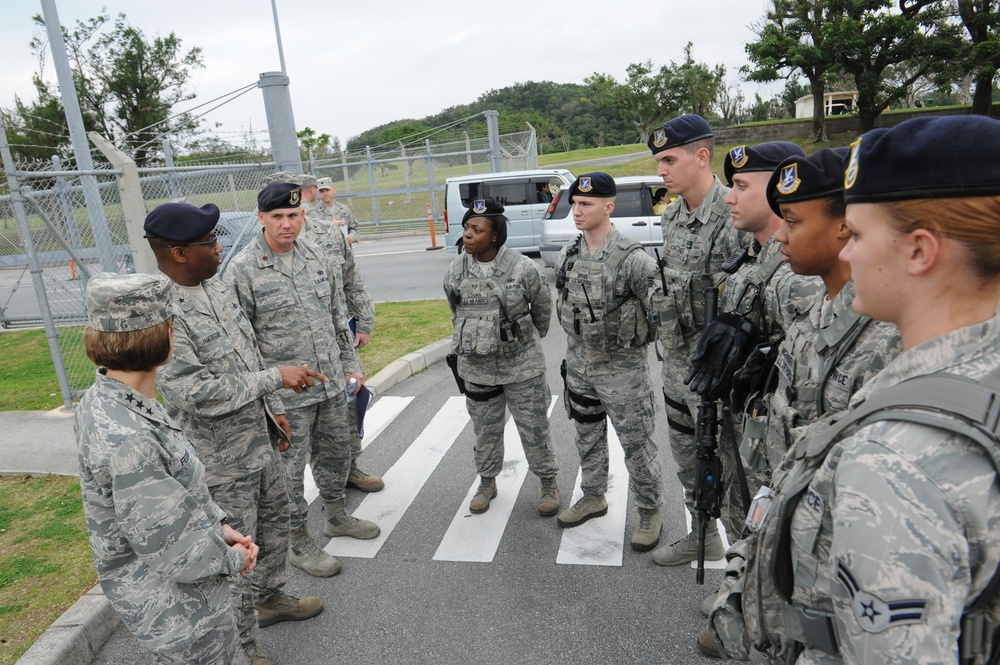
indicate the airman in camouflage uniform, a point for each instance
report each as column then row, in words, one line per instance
column 161, row 546
column 605, row 283
column 697, row 239
column 825, row 357
column 501, row 308
column 341, row 215
column 320, row 231
column 218, row 390
column 290, row 293
column 892, row 529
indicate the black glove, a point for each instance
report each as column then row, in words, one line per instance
column 757, row 376
column 722, row 349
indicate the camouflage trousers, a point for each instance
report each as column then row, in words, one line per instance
column 257, row 505
column 734, row 513
column 682, row 407
column 352, row 418
column 320, row 438
column 219, row 646
column 627, row 397
column 528, row 402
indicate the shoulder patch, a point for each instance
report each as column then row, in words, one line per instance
column 874, row 615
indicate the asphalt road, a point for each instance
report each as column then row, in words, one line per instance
column 444, row 586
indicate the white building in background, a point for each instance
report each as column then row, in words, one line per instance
column 835, row 103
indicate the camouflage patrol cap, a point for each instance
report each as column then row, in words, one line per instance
column 305, row 180
column 324, row 183
column 279, row 195
column 280, row 176
column 925, row 158
column 123, row 303
column 816, row 176
column 761, row 157
column 681, row 130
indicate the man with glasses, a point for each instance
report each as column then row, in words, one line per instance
column 218, row 390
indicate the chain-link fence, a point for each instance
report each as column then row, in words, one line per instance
column 74, row 222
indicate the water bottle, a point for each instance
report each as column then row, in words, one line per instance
column 352, row 386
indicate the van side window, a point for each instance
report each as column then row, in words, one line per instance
column 469, row 192
column 508, row 193
column 628, row 203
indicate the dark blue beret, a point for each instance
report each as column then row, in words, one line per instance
column 181, row 222
column 925, row 158
column 597, row 184
column 279, row 195
column 681, row 130
column 761, row 157
column 483, row 208
column 816, row 176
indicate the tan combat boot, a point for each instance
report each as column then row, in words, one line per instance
column 339, row 523
column 366, row 482
column 588, row 507
column 548, row 505
column 280, row 606
column 255, row 655
column 305, row 554
column 647, row 534
column 685, row 550
column 487, row 492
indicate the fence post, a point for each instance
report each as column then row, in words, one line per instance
column 493, row 129
column 430, row 178
column 468, row 151
column 173, row 184
column 133, row 205
column 376, row 213
column 23, row 230
column 69, row 220
column 406, row 171
column 347, row 174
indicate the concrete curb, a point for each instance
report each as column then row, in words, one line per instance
column 81, row 632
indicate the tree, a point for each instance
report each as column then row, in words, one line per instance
column 693, row 86
column 793, row 91
column 128, row 84
column 868, row 37
column 792, row 37
column 981, row 19
column 642, row 98
column 731, row 104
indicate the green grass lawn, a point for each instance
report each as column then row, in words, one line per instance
column 46, row 563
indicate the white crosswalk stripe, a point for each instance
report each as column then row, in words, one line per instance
column 476, row 538
column 405, row 479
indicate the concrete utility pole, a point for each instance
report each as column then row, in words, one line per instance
column 280, row 122
column 493, row 129
column 78, row 136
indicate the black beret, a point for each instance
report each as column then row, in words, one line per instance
column 279, row 195
column 181, row 222
column 681, row 130
column 815, row 176
column 761, row 157
column 925, row 158
column 596, row 184
column 483, row 208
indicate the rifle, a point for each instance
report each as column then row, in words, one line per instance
column 708, row 468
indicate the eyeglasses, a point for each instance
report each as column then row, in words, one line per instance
column 211, row 242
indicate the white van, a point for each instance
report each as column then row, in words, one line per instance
column 519, row 192
column 633, row 216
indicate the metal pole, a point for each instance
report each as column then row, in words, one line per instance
column 172, row 183
column 430, row 178
column 468, row 149
column 347, row 173
column 493, row 128
column 376, row 213
column 277, row 34
column 78, row 136
column 23, row 230
column 280, row 121
column 69, row 220
column 406, row 170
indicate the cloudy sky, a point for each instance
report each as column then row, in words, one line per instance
column 354, row 65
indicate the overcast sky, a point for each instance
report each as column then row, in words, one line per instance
column 354, row 65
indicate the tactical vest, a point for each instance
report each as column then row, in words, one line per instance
column 484, row 325
column 589, row 308
column 951, row 403
column 686, row 270
column 744, row 293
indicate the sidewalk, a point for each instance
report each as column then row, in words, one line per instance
column 43, row 442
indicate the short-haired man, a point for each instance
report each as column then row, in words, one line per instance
column 697, row 239
column 289, row 292
column 218, row 390
column 331, row 208
column 604, row 283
